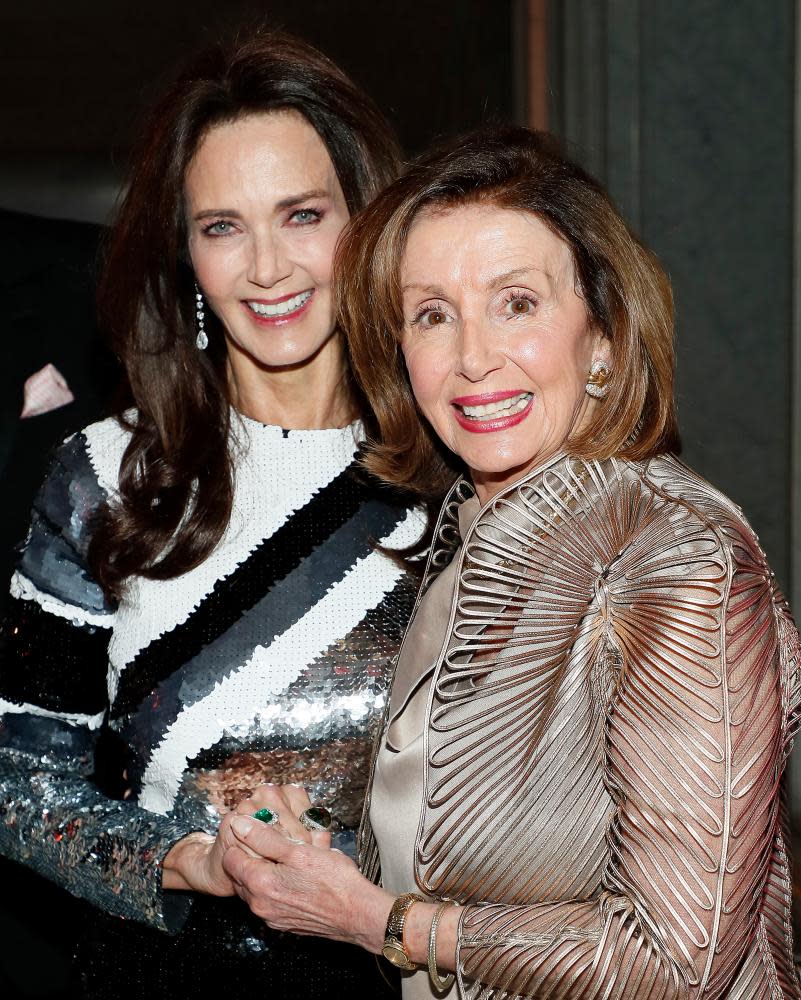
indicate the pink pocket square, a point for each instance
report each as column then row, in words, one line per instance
column 45, row 390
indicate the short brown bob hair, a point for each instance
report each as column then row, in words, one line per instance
column 627, row 294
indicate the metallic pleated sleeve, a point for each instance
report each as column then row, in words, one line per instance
column 606, row 744
column 53, row 699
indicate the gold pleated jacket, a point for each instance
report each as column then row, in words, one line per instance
column 605, row 742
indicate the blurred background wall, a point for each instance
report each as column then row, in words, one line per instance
column 687, row 109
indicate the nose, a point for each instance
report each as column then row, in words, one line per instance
column 478, row 354
column 269, row 262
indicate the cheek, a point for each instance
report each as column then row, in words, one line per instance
column 425, row 374
column 317, row 257
column 217, row 268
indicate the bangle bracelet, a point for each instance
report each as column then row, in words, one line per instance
column 440, row 983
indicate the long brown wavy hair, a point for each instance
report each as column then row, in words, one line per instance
column 176, row 480
column 626, row 293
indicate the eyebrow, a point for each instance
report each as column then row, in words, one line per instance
column 289, row 202
column 518, row 272
column 494, row 283
column 295, row 199
column 212, row 213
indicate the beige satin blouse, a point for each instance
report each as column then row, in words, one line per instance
column 397, row 793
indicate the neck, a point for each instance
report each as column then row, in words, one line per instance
column 306, row 396
column 489, row 484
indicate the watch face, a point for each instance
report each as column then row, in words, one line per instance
column 393, row 952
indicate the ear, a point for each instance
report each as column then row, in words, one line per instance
column 602, row 347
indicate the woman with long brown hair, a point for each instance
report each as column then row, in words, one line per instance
column 201, row 609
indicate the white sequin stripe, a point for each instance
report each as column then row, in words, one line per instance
column 272, row 668
column 72, row 719
column 275, row 479
column 23, row 589
column 106, row 443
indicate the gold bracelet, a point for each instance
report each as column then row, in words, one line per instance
column 440, row 983
column 394, row 949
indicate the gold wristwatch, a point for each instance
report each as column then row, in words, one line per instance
column 393, row 949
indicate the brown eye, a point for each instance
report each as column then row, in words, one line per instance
column 435, row 317
column 520, row 306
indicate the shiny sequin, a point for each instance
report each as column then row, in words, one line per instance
column 203, row 708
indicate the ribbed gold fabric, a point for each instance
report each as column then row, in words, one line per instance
column 605, row 742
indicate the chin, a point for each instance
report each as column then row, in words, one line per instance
column 288, row 356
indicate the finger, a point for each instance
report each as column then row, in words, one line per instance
column 299, row 800
column 297, row 797
column 270, row 796
column 265, row 841
column 282, row 800
column 240, row 867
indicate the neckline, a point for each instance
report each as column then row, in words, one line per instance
column 277, row 432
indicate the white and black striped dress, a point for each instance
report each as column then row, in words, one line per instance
column 269, row 662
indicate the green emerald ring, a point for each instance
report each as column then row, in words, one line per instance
column 268, row 816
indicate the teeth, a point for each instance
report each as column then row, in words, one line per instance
column 504, row 407
column 280, row 308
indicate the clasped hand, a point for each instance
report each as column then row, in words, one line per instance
column 195, row 862
column 299, row 884
column 286, row 874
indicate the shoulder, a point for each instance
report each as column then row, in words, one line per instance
column 712, row 511
column 104, row 443
column 83, row 473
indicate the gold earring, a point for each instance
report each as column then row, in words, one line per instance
column 598, row 380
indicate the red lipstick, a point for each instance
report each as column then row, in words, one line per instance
column 490, row 424
column 486, row 397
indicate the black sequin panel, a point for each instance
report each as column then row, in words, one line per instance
column 61, row 523
column 308, row 528
column 52, row 741
column 50, row 662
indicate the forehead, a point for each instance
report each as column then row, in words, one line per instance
column 480, row 241
column 277, row 151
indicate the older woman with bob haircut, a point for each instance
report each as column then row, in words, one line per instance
column 578, row 791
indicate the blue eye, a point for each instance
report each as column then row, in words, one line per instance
column 305, row 216
column 221, row 228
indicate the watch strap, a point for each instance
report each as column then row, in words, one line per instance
column 393, row 936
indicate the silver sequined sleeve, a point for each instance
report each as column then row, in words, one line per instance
column 53, row 667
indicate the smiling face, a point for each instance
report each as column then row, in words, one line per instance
column 496, row 338
column 264, row 209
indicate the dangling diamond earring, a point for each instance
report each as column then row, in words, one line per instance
column 598, row 380
column 201, row 341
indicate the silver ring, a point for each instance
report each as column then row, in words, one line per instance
column 316, row 818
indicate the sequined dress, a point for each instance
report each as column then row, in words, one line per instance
column 125, row 728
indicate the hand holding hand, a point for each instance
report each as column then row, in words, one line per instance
column 304, row 887
column 195, row 862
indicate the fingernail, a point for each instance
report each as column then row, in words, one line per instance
column 242, row 825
